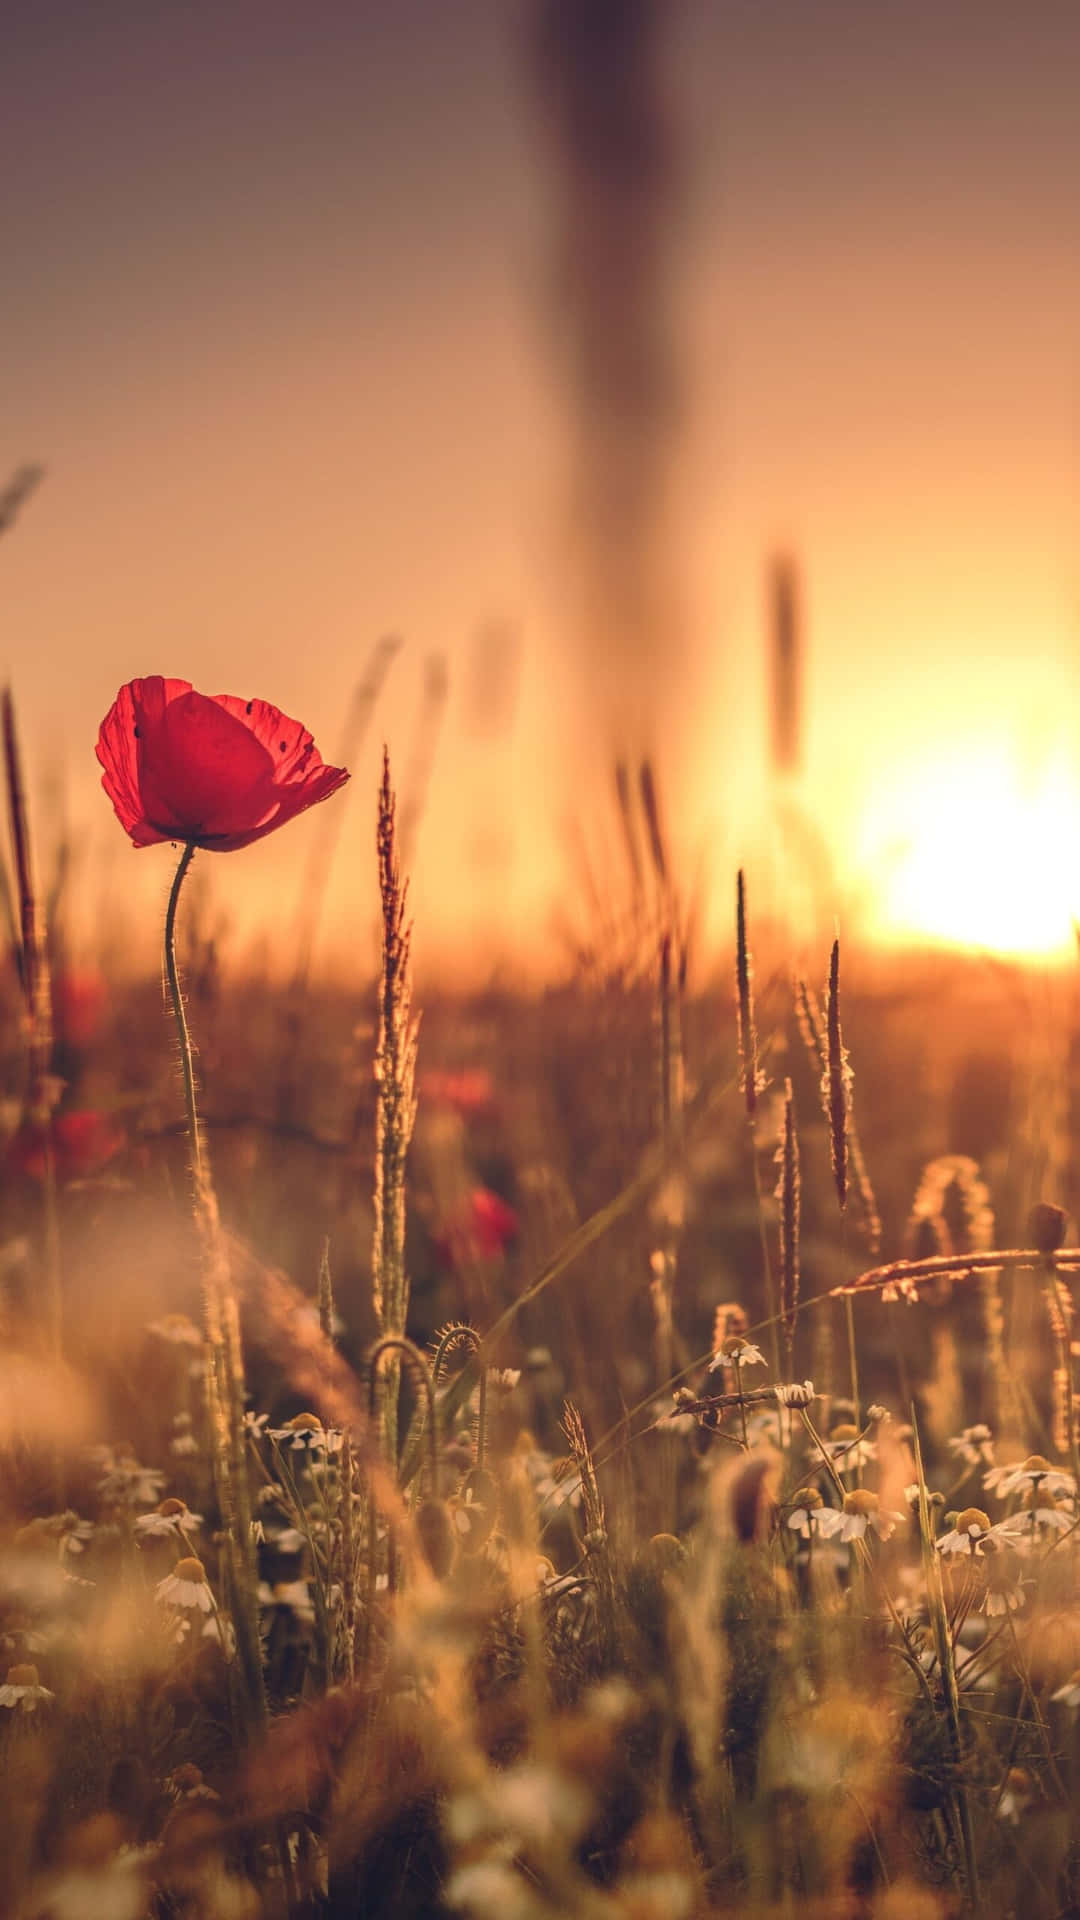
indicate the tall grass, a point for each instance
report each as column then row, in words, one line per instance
column 592, row 1602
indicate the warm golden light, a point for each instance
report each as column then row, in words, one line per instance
column 978, row 851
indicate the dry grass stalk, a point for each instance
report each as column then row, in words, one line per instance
column 624, row 799
column 33, row 955
column 592, row 1506
column 785, row 663
column 1059, row 1311
column 788, row 1192
column 18, row 490
column 651, row 808
column 834, row 1086
column 902, row 1277
column 750, row 1081
column 951, row 1207
column 42, row 1089
column 395, row 1107
column 812, row 1028
column 326, row 1292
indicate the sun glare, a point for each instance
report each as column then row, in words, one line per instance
column 977, row 851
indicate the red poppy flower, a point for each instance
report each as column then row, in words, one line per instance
column 482, row 1229
column 79, row 997
column 468, row 1092
column 81, row 1142
column 213, row 770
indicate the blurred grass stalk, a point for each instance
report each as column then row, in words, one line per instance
column 395, row 1114
column 42, row 1088
column 752, row 1082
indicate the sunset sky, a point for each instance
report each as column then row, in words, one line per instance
column 280, row 318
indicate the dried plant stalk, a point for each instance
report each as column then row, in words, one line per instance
column 1059, row 1310
column 744, row 988
column 788, row 1192
column 834, row 1087
column 651, row 809
column 33, row 956
column 395, row 1107
column 624, row 800
column 42, row 1088
column 326, row 1291
column 348, row 1557
column 18, row 490
column 811, row 1026
column 591, row 1501
column 951, row 1176
column 900, row 1278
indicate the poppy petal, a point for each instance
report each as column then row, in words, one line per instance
column 202, row 773
column 218, row 771
column 136, row 706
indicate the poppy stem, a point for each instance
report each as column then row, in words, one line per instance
column 187, row 1062
column 224, row 1380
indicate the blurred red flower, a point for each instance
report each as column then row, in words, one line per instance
column 81, row 1142
column 212, row 770
column 467, row 1092
column 79, row 997
column 482, row 1230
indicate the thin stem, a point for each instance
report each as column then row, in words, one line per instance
column 853, row 1358
column 187, row 1060
column 224, row 1358
column 773, row 1318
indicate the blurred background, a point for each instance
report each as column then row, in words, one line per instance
column 672, row 378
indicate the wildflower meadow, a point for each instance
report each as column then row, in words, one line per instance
column 589, row 1453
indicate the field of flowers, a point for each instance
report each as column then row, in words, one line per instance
column 609, row 1453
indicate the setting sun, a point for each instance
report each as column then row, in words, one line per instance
column 976, row 850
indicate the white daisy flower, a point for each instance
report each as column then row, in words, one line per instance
column 971, row 1529
column 1024, row 1528
column 1035, row 1473
column 186, row 1586
column 66, row 1529
column 169, row 1518
column 806, row 1509
column 860, row 1511
column 129, row 1483
column 22, row 1689
column 305, row 1432
column 737, row 1352
column 974, row 1446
